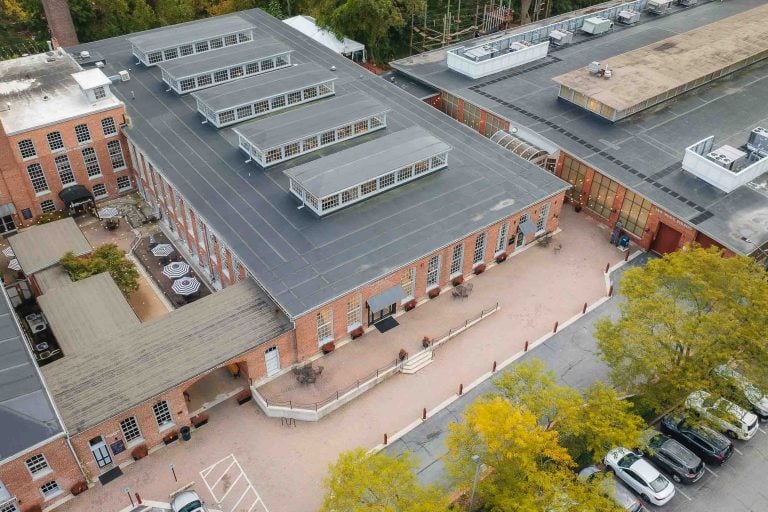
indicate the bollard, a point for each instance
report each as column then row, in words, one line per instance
column 610, row 291
column 138, row 498
column 385, row 439
column 626, row 256
column 494, row 367
column 424, row 414
column 461, row 389
column 607, row 267
column 584, row 308
column 555, row 328
column 526, row 345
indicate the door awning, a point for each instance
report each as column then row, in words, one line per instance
column 75, row 195
column 527, row 227
column 386, row 298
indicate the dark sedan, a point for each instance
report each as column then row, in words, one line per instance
column 669, row 455
column 711, row 446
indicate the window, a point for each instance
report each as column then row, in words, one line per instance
column 292, row 149
column 457, row 259
column 187, row 49
column 574, row 173
column 602, row 193
column 99, row 190
column 502, row 240
column 108, row 126
column 278, row 102
column 408, row 282
column 50, row 489
column 541, row 222
column 267, row 64
column 48, row 206
column 309, row 144
column 116, row 154
column 327, row 138
column 387, row 180
column 438, row 161
column 37, row 464
column 154, row 57
column 99, row 92
column 252, row 68
column 65, row 170
column 54, row 141
column 368, row 187
column 294, row 97
column 324, row 326
column 220, row 76
column 230, row 39
column 130, row 428
column 330, row 202
column 274, row 155
column 479, row 253
column 171, row 53
column 9, row 506
column 310, row 92
column 201, row 46
column 227, row 116
column 123, row 183
column 37, row 177
column 162, row 414
column 27, row 149
column 634, row 213
column 325, row 89
column 361, row 126
column 204, row 81
column 243, row 37
column 433, row 271
column 236, row 72
column 281, row 61
column 344, row 132
column 421, row 167
column 216, row 43
column 82, row 133
column 91, row 162
column 262, row 106
column 354, row 313
column 405, row 173
column 376, row 122
column 349, row 195
column 246, row 111
column 187, row 84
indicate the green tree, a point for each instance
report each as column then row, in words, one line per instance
column 359, row 481
column 683, row 315
column 524, row 467
column 589, row 425
column 170, row 12
column 107, row 258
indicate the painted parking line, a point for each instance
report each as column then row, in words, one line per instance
column 763, row 431
column 712, row 472
column 231, row 488
column 738, row 451
column 678, row 489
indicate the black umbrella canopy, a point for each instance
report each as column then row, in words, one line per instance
column 76, row 194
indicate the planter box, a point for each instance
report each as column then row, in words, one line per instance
column 328, row 347
column 79, row 488
column 409, row 305
column 139, row 452
column 434, row 292
column 501, row 257
column 170, row 437
column 356, row 332
column 479, row 269
column 244, row 396
column 456, row 281
column 199, row 420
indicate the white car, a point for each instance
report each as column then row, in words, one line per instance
column 743, row 387
column 187, row 501
column 735, row 421
column 640, row 476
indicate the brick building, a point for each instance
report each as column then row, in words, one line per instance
column 60, row 140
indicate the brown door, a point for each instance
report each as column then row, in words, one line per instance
column 666, row 239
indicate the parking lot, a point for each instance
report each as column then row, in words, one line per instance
column 736, row 486
column 231, row 488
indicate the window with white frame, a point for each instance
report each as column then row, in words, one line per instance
column 368, row 187
column 108, row 126
column 349, row 195
column 201, row 46
column 187, row 49
column 387, row 180
column 99, row 92
column 330, row 202
column 541, row 222
column 328, row 137
column 246, row 111
column 310, row 92
column 55, row 142
column 230, row 39
column 50, row 489
column 37, row 177
column 9, row 506
column 421, row 167
column 236, row 72
column 227, row 116
column 309, row 144
column 294, row 97
column 278, row 102
column 27, row 149
column 345, row 131
column 405, row 173
column 65, row 170
column 171, row 53
column 99, row 190
column 457, row 259
column 37, row 464
column 130, row 428
column 48, row 206
column 433, row 271
column 115, row 151
column 408, row 282
column 502, row 240
column 187, row 84
column 251, row 68
column 162, row 414
column 154, row 57
column 354, row 312
column 262, row 106
column 204, row 81
column 292, row 149
column 267, row 64
column 324, row 326
column 220, row 76
column 91, row 162
column 479, row 254
column 82, row 133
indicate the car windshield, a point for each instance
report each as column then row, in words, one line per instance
column 657, row 442
column 629, row 459
column 659, row 484
column 191, row 506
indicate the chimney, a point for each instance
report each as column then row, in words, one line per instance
column 60, row 22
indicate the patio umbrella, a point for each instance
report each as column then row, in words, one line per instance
column 186, row 285
column 14, row 264
column 8, row 251
column 108, row 212
column 176, row 269
column 162, row 250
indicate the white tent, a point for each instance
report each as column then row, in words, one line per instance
column 307, row 26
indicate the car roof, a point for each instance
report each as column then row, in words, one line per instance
column 184, row 498
column 645, row 470
column 680, row 452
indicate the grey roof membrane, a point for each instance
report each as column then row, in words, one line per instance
column 309, row 120
column 27, row 416
column 265, row 85
column 304, row 261
column 643, row 152
column 369, row 160
column 238, row 54
column 167, row 37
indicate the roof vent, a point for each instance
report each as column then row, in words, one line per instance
column 85, row 54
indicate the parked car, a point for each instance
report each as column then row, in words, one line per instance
column 743, row 388
column 670, row 456
column 640, row 476
column 615, row 489
column 728, row 417
column 187, row 501
column 711, row 446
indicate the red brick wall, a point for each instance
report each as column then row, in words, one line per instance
column 60, row 22
column 64, row 469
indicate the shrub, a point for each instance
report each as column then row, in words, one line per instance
column 480, row 268
column 402, row 354
column 434, row 292
column 457, row 280
column 140, row 452
column 409, row 305
column 199, row 420
column 425, row 341
column 356, row 332
column 327, row 348
column 107, row 258
column 79, row 488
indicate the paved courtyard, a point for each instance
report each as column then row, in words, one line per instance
column 286, row 465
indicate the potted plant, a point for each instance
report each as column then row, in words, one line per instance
column 409, row 305
column 244, row 396
column 501, row 257
column 78, row 488
column 456, row 281
column 139, row 452
column 356, row 332
column 425, row 341
column 327, row 348
column 170, row 437
column 402, row 355
column 199, row 420
column 480, row 269
column 434, row 292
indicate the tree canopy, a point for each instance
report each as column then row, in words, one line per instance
column 362, row 482
column 683, row 315
column 107, row 258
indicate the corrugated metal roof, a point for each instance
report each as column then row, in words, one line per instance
column 207, row 62
column 42, row 246
column 52, row 277
column 167, row 37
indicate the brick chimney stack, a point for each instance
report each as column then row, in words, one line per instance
column 60, row 22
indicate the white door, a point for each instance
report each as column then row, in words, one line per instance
column 272, row 359
column 100, row 452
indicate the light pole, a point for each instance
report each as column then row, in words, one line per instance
column 476, row 460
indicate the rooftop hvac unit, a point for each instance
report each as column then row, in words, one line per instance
column 758, row 141
column 124, row 76
column 659, row 6
column 594, row 67
column 726, row 156
column 628, row 17
column 561, row 37
column 85, row 54
column 596, row 25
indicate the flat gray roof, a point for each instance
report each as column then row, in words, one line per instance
column 369, row 160
column 27, row 416
column 308, row 120
column 302, row 260
column 167, row 37
column 262, row 86
column 42, row 246
column 645, row 151
column 174, row 348
column 212, row 60
column 81, row 313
